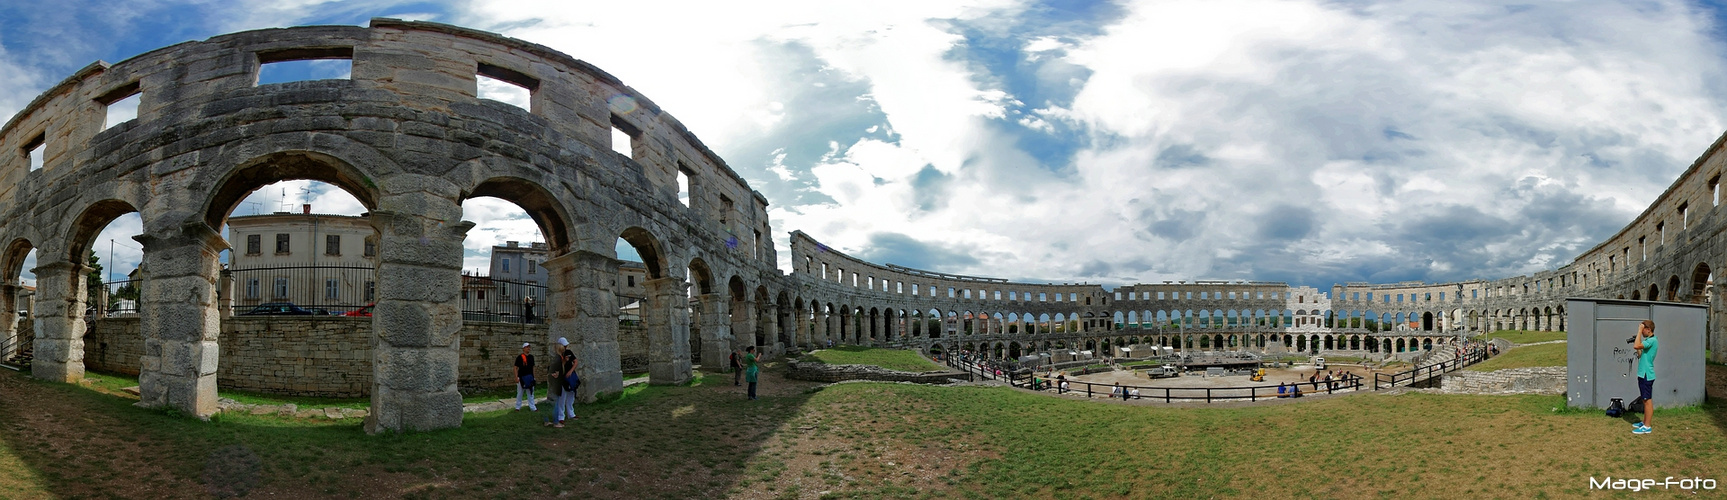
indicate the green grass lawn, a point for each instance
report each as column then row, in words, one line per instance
column 892, row 359
column 1525, row 356
column 1526, row 336
column 861, row 440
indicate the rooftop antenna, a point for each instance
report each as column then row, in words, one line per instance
column 255, row 206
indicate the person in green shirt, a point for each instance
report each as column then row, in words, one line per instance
column 751, row 370
column 1646, row 346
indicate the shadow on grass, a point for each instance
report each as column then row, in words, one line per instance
column 684, row 442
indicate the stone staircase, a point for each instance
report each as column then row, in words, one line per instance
column 21, row 359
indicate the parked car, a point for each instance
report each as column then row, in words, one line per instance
column 364, row 312
column 277, row 309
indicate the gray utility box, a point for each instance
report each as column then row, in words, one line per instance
column 1602, row 366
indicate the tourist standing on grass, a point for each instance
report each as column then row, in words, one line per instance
column 562, row 373
column 525, row 379
column 750, row 370
column 1646, row 345
column 737, row 369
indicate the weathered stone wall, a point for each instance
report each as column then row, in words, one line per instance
column 633, row 349
column 326, row 357
column 823, row 372
column 1537, row 380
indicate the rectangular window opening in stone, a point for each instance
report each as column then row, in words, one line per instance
column 624, row 136
column 304, row 64
column 371, row 247
column 281, row 243
column 505, row 85
column 33, row 151
column 726, row 205
column 630, row 281
column 1684, row 216
column 1715, row 190
column 332, row 244
column 1661, row 233
column 756, row 244
column 254, row 244
column 120, row 104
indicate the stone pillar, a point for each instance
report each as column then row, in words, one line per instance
column 9, row 324
column 583, row 308
column 179, row 320
column 770, row 328
column 225, row 295
column 716, row 334
column 668, row 331
column 801, row 333
column 890, row 326
column 418, row 315
column 744, row 323
column 59, row 346
column 826, row 327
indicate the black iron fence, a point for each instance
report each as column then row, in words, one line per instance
column 352, row 290
column 300, row 290
column 496, row 300
column 1471, row 355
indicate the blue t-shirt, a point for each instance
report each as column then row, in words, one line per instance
column 1646, row 364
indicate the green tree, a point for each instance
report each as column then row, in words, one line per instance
column 93, row 284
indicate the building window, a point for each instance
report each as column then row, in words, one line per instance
column 281, row 243
column 331, row 290
column 533, row 267
column 251, row 288
column 281, row 288
column 371, row 291
column 332, row 244
column 533, row 289
column 631, row 280
column 254, row 244
column 506, row 264
column 371, row 247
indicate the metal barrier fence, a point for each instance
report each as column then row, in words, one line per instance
column 990, row 370
column 1472, row 355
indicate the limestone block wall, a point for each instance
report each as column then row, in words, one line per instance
column 823, row 372
column 1537, row 380
column 332, row 357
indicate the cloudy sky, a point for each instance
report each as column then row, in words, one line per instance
column 1300, row 141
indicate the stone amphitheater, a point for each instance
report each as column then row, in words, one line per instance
column 407, row 135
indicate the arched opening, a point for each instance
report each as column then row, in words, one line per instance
column 1427, row 321
column 18, row 293
column 1673, row 288
column 1701, row 279
column 668, row 347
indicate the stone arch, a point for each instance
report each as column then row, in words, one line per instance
column 1673, row 288
column 551, row 215
column 264, row 170
column 649, row 248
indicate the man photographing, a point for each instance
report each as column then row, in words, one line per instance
column 1646, row 345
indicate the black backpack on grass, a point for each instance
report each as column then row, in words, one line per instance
column 1616, row 408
